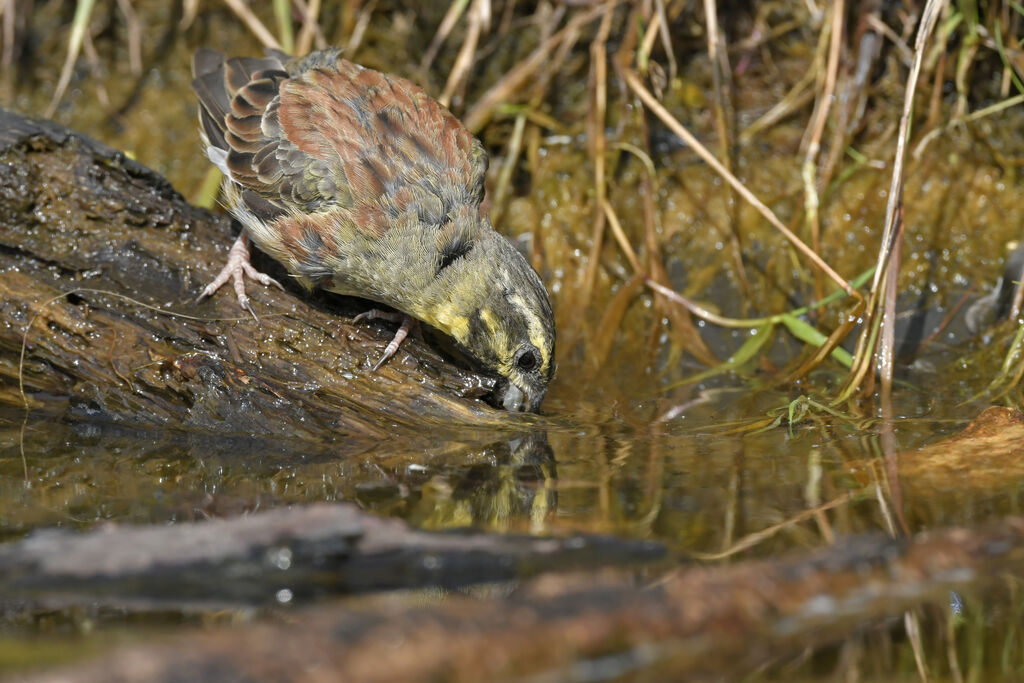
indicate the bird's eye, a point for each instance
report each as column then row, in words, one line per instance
column 527, row 359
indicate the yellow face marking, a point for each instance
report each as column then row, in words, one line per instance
column 537, row 337
column 498, row 335
column 449, row 320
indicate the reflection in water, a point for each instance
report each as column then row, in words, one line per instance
column 78, row 475
column 514, row 488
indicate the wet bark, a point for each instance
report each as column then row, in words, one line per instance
column 244, row 561
column 82, row 227
column 688, row 624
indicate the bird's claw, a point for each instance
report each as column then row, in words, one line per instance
column 237, row 269
column 407, row 326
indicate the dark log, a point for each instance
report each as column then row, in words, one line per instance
column 688, row 624
column 82, row 227
column 310, row 550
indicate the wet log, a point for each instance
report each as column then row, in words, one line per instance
column 686, row 625
column 100, row 263
column 310, row 550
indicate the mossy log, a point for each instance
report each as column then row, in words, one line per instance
column 100, row 263
column 315, row 550
column 708, row 623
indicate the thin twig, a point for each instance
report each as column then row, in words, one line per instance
column 479, row 17
column 131, row 20
column 750, row 540
column 253, row 23
column 502, row 90
column 649, row 100
column 79, row 25
column 451, row 17
column 817, row 129
column 595, row 125
column 310, row 27
column 867, row 349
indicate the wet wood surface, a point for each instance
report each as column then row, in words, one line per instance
column 314, row 550
column 689, row 624
column 100, row 263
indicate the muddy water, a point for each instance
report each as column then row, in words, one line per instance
column 631, row 449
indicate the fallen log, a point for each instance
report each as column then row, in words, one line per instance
column 309, row 551
column 100, row 262
column 689, row 624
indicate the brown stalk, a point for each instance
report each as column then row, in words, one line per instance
column 817, row 129
column 479, row 18
column 444, row 29
column 751, row 540
column 131, row 20
column 359, row 29
column 253, row 23
column 513, row 150
column 598, row 87
column 310, row 27
column 96, row 68
column 79, row 29
column 620, row 237
column 868, row 353
column 7, row 11
column 634, row 82
column 722, row 99
column 852, row 94
column 666, row 39
column 504, row 88
column 601, row 342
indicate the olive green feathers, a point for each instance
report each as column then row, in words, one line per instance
column 360, row 183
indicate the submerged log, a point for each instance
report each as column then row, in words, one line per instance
column 100, row 262
column 688, row 624
column 312, row 550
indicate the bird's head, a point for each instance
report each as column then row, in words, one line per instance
column 494, row 305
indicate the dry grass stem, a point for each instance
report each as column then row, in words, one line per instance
column 817, row 129
column 359, row 30
column 253, row 23
column 673, row 124
column 478, row 18
column 598, row 87
column 502, row 91
column 751, row 540
column 796, row 99
column 7, row 13
column 513, row 150
column 444, row 29
column 96, row 68
column 620, row 237
column 131, row 20
column 865, row 353
column 79, row 26
column 666, row 39
column 310, row 27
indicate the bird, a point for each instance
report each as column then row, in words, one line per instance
column 359, row 183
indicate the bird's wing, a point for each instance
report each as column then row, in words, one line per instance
column 321, row 133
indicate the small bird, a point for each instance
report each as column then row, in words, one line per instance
column 360, row 183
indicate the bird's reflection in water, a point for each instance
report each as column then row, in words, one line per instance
column 512, row 487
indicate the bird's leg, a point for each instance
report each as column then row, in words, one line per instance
column 237, row 269
column 408, row 325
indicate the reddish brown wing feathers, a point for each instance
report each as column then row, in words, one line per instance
column 323, row 133
column 393, row 147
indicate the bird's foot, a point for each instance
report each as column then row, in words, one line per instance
column 408, row 325
column 237, row 269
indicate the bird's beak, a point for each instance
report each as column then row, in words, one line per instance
column 515, row 400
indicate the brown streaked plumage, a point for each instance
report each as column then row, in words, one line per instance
column 360, row 183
